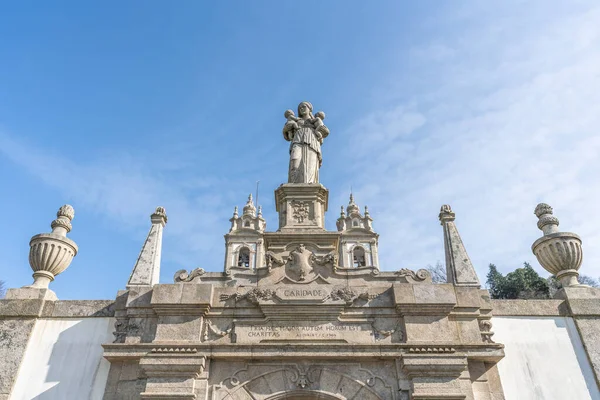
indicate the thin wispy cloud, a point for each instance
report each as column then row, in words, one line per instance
column 511, row 120
column 491, row 108
column 125, row 190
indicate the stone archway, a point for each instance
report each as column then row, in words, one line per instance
column 289, row 382
column 306, row 395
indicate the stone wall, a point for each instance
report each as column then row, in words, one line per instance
column 63, row 360
column 49, row 349
column 544, row 359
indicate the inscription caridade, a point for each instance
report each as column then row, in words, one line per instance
column 304, row 331
column 295, row 293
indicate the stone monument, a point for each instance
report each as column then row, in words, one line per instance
column 301, row 313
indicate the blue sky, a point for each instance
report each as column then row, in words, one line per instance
column 118, row 107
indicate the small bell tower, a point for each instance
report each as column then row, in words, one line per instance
column 358, row 241
column 244, row 245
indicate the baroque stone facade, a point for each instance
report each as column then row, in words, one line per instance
column 297, row 313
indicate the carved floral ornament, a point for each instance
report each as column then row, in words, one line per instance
column 345, row 293
column 253, row 295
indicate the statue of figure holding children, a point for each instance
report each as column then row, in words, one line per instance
column 306, row 133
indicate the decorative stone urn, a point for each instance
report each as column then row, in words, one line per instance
column 51, row 253
column 559, row 253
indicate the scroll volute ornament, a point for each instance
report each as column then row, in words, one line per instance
column 559, row 253
column 51, row 253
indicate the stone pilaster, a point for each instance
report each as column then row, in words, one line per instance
column 435, row 375
column 584, row 305
column 174, row 375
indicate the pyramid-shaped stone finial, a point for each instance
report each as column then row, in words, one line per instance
column 146, row 271
column 459, row 269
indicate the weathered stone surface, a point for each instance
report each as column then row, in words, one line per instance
column 21, row 308
column 146, row 271
column 589, row 329
column 530, row 307
column 51, row 253
column 459, row 268
column 14, row 335
column 79, row 308
column 301, row 206
column 559, row 253
column 30, row 293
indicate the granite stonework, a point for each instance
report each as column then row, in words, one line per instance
column 303, row 312
column 300, row 312
column 14, row 334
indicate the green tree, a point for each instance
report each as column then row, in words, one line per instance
column 495, row 282
column 522, row 283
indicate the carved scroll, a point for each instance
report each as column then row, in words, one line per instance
column 183, row 276
column 485, row 326
column 421, row 275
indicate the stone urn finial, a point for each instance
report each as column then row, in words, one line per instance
column 51, row 253
column 559, row 253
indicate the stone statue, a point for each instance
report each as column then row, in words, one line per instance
column 306, row 132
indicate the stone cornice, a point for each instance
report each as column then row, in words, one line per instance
column 489, row 352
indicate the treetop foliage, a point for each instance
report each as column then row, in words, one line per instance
column 522, row 283
column 525, row 283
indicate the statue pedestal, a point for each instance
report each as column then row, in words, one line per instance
column 30, row 293
column 301, row 206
